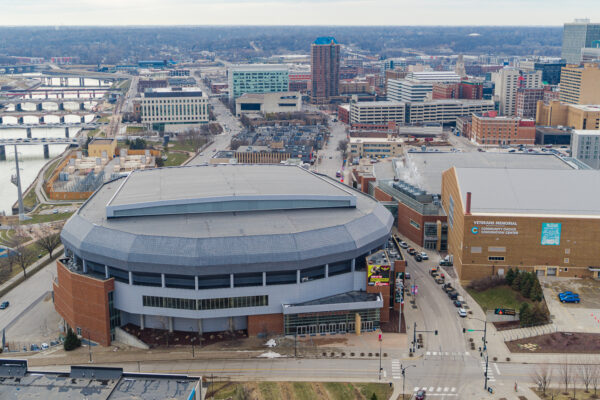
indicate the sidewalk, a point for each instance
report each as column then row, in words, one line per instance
column 475, row 391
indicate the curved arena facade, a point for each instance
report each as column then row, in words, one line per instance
column 216, row 248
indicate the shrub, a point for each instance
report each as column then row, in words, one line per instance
column 71, row 341
column 487, row 283
column 510, row 276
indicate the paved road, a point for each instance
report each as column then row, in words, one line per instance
column 26, row 294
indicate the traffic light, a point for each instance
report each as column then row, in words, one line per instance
column 436, row 332
column 464, row 330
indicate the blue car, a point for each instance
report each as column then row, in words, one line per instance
column 566, row 294
column 570, row 299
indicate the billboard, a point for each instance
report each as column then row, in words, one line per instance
column 551, row 233
column 378, row 275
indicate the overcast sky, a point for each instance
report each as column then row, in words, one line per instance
column 296, row 12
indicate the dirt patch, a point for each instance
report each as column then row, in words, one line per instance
column 161, row 337
column 558, row 342
column 329, row 341
column 506, row 325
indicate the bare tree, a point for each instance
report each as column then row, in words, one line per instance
column 574, row 381
column 585, row 373
column 595, row 380
column 20, row 254
column 343, row 147
column 565, row 374
column 49, row 241
column 542, row 377
column 193, row 138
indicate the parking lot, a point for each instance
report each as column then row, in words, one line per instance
column 573, row 317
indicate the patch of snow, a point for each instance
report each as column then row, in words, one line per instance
column 271, row 343
column 270, row 354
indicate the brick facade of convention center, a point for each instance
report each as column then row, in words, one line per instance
column 265, row 323
column 411, row 223
column 484, row 245
column 83, row 303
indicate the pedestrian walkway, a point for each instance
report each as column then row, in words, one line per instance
column 396, row 371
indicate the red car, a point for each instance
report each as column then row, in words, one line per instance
column 412, row 251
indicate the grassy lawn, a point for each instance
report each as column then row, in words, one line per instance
column 134, row 129
column 175, row 159
column 6, row 235
column 39, row 218
column 301, row 390
column 176, row 145
column 558, row 394
column 500, row 296
column 30, row 200
column 103, row 119
column 51, row 169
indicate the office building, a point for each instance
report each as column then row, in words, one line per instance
column 174, row 106
column 505, row 218
column 376, row 112
column 468, row 90
column 325, row 68
column 526, row 102
column 372, row 147
column 258, row 248
column 418, row 86
column 580, row 84
column 508, row 81
column 102, row 148
column 585, row 147
column 144, row 84
column 551, row 70
column 488, row 129
column 576, row 36
column 550, row 135
column 576, row 116
column 267, row 103
column 257, row 78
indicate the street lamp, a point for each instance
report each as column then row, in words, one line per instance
column 403, row 370
column 380, row 368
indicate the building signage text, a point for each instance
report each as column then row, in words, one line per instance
column 495, row 228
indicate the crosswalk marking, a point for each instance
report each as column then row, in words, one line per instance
column 442, row 391
column 396, row 371
column 490, row 372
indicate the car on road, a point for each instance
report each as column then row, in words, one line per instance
column 457, row 303
column 420, row 395
column 446, row 263
column 570, row 299
column 418, row 258
column 338, row 174
column 567, row 293
column 512, row 151
column 412, row 251
column 439, row 280
column 45, row 346
column 4, row 305
column 462, row 312
column 404, row 245
column 34, row 347
column 453, row 294
column 447, row 287
column 424, row 256
column 407, row 275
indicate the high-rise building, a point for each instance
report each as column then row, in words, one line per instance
column 174, row 106
column 325, row 68
column 508, row 81
column 550, row 70
column 576, row 36
column 418, row 85
column 585, row 147
column 490, row 130
column 526, row 102
column 580, row 84
column 257, row 78
column 576, row 116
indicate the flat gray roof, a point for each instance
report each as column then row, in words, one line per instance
column 300, row 233
column 221, row 188
column 531, row 191
column 424, row 170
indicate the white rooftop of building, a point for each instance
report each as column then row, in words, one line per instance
column 389, row 103
column 587, row 132
column 531, row 191
column 586, row 107
column 262, row 67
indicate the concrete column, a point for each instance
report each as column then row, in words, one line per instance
column 46, row 152
column 19, row 107
column 200, row 331
column 264, row 279
column 39, row 107
column 195, row 282
column 2, row 152
column 231, row 280
column 353, row 264
column 81, row 106
column 231, row 324
column 142, row 322
column 61, row 106
column 82, row 82
column 297, row 276
column 326, row 270
column 85, row 269
column 28, row 133
column 66, row 131
column 162, row 280
column 106, row 271
column 130, row 278
column 170, row 324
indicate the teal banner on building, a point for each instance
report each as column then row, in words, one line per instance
column 551, row 233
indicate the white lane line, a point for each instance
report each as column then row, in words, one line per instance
column 453, row 389
column 416, row 389
column 431, row 389
column 428, row 353
column 497, row 369
column 439, row 389
column 446, row 389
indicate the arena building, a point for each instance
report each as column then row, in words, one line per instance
column 262, row 248
column 539, row 220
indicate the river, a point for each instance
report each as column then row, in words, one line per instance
column 31, row 160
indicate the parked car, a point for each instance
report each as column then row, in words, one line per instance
column 453, row 294
column 439, row 280
column 457, row 304
column 4, row 305
column 570, row 299
column 412, row 251
column 445, row 263
column 462, row 312
column 34, row 347
column 338, row 174
column 567, row 293
column 418, row 258
column 424, row 256
column 420, row 395
column 45, row 346
column 404, row 245
column 407, row 275
column 447, row 287
column 512, row 151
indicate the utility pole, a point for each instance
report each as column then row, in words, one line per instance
column 415, row 336
column 89, row 343
column 18, row 183
column 296, row 344
column 485, row 386
column 403, row 371
column 380, row 369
